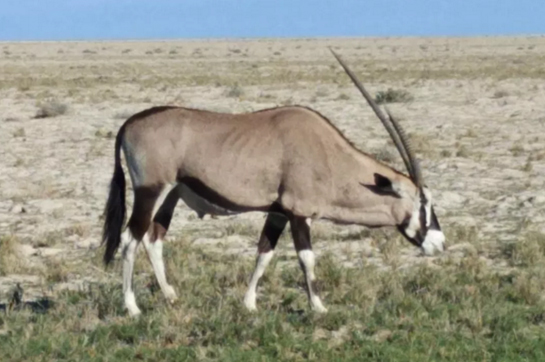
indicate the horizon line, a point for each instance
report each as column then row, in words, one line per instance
column 253, row 38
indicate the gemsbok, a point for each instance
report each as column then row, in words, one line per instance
column 289, row 162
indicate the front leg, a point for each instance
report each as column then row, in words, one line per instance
column 300, row 230
column 274, row 226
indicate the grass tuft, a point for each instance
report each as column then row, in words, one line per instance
column 385, row 155
column 234, row 91
column 500, row 94
column 7, row 254
column 51, row 109
column 343, row 97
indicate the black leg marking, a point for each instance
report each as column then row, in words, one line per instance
column 300, row 231
column 274, row 226
column 162, row 218
column 144, row 202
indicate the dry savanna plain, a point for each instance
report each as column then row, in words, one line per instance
column 475, row 112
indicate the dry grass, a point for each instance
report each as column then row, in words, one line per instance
column 343, row 97
column 463, row 151
column 20, row 132
column 242, row 229
column 8, row 256
column 500, row 94
column 423, row 144
column 234, row 91
column 51, row 109
column 517, row 149
column 12, row 261
column 385, row 155
column 123, row 115
column 49, row 239
column 56, row 271
column 496, row 66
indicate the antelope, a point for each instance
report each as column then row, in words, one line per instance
column 289, row 162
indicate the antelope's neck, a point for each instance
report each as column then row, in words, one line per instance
column 356, row 204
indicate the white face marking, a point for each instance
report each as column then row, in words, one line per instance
column 262, row 261
column 308, row 221
column 427, row 195
column 435, row 241
column 414, row 223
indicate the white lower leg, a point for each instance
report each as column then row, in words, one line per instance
column 129, row 245
column 308, row 261
column 262, row 261
column 155, row 253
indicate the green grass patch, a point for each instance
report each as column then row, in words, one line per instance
column 458, row 310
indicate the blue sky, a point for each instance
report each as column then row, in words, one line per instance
column 166, row 19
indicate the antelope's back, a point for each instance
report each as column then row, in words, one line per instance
column 248, row 157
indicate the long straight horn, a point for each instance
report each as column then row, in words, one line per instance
column 385, row 121
column 417, row 173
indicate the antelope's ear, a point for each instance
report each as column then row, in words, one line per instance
column 383, row 186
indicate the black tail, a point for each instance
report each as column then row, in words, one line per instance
column 115, row 208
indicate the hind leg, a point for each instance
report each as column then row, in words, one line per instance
column 144, row 200
column 128, row 250
column 153, row 239
column 274, row 226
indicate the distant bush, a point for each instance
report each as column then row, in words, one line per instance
column 393, row 96
column 234, row 91
column 500, row 94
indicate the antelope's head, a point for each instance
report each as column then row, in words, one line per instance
column 420, row 225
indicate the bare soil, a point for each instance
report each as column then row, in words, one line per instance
column 477, row 121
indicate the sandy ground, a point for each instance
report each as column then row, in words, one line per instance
column 477, row 122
